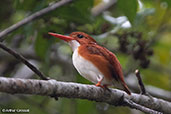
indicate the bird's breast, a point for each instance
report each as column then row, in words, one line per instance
column 87, row 69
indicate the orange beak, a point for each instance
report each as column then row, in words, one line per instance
column 62, row 37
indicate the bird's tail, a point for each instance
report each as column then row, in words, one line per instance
column 122, row 86
column 126, row 89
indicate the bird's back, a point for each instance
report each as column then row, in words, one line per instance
column 105, row 61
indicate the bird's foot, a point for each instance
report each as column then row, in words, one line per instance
column 98, row 85
column 103, row 86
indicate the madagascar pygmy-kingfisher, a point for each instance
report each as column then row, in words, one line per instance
column 94, row 62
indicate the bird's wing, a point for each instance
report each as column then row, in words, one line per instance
column 105, row 61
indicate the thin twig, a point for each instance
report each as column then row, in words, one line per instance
column 32, row 17
column 140, row 82
column 131, row 104
column 22, row 59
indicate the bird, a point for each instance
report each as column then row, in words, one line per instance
column 94, row 62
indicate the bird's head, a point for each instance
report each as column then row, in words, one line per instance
column 75, row 39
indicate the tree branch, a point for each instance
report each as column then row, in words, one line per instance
column 22, row 59
column 75, row 90
column 139, row 107
column 154, row 91
column 141, row 84
column 32, row 17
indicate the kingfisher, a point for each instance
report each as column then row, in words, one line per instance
column 94, row 62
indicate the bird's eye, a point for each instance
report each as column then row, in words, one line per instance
column 80, row 36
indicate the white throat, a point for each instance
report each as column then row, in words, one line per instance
column 74, row 44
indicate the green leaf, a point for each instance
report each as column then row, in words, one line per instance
column 129, row 8
column 30, row 5
column 78, row 11
column 41, row 46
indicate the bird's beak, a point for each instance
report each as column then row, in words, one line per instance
column 63, row 37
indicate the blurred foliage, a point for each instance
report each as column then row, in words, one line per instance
column 139, row 32
column 124, row 5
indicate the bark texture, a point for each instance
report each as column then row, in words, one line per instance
column 82, row 91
